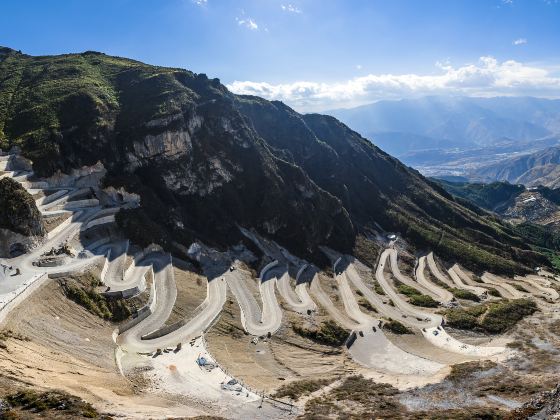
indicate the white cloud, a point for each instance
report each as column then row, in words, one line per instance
column 248, row 23
column 200, row 2
column 290, row 8
column 358, row 66
column 520, row 41
column 487, row 77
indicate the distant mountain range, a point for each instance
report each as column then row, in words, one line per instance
column 436, row 130
column 539, row 168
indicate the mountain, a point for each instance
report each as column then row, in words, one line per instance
column 417, row 129
column 539, row 168
column 205, row 162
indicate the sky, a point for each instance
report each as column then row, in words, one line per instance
column 315, row 55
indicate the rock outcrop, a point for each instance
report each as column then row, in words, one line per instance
column 21, row 226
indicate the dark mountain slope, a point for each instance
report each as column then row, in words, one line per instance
column 496, row 197
column 206, row 161
column 18, row 211
column 375, row 187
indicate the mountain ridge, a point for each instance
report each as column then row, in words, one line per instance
column 205, row 161
column 448, row 122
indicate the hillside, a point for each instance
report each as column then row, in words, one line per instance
column 513, row 202
column 496, row 197
column 539, row 168
column 206, row 161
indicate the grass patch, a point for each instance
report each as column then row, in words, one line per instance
column 356, row 397
column 502, row 316
column 329, row 333
column 364, row 303
column 520, row 288
column 82, row 291
column 492, row 318
column 297, row 389
column 51, row 401
column 464, row 294
column 462, row 371
column 397, row 327
column 378, row 289
column 415, row 297
column 6, row 334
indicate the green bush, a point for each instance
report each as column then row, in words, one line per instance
column 114, row 310
column 406, row 290
column 502, row 316
column 520, row 288
column 378, row 289
column 461, row 371
column 424, row 301
column 415, row 297
column 396, row 327
column 460, row 319
column 464, row 294
column 51, row 400
column 364, row 303
column 297, row 389
column 492, row 318
column 329, row 333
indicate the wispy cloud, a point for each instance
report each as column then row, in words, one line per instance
column 520, row 41
column 248, row 23
column 290, row 8
column 487, row 77
column 200, row 2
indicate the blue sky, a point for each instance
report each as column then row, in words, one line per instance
column 313, row 54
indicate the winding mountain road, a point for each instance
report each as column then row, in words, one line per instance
column 444, row 295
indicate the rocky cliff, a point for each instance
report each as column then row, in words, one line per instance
column 21, row 225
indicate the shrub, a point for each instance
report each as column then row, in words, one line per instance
column 329, row 333
column 415, row 297
column 378, row 289
column 115, row 310
column 492, row 318
column 397, row 327
column 364, row 303
column 297, row 389
column 461, row 319
column 520, row 288
column 502, row 316
column 51, row 400
column 464, row 294
column 461, row 371
column 424, row 301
